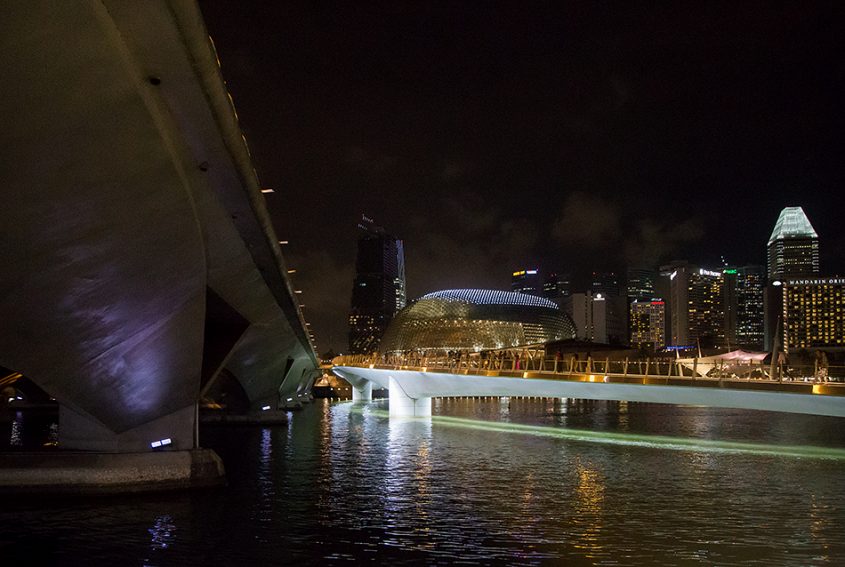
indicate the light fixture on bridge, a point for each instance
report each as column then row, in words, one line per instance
column 267, row 191
column 283, row 241
column 161, row 443
column 291, row 271
column 265, row 408
column 297, row 291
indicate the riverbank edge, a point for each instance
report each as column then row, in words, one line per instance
column 82, row 473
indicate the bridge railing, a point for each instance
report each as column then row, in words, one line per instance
column 534, row 359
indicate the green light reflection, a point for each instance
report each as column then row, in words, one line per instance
column 630, row 439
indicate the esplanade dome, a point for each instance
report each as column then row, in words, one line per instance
column 475, row 319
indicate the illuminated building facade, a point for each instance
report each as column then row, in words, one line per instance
column 527, row 281
column 647, row 322
column 813, row 313
column 698, row 313
column 747, row 304
column 475, row 320
column 378, row 290
column 793, row 247
column 793, row 252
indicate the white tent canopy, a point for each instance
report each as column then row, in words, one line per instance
column 738, row 362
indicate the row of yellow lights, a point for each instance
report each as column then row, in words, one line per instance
column 264, row 190
column 293, row 271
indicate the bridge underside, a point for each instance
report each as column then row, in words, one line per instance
column 425, row 385
column 138, row 257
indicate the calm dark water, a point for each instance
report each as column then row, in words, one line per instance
column 522, row 482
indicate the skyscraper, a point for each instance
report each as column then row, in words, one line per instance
column 598, row 318
column 648, row 324
column 793, row 252
column 698, row 313
column 527, row 281
column 556, row 287
column 641, row 284
column 793, row 247
column 378, row 290
column 607, row 284
column 749, row 286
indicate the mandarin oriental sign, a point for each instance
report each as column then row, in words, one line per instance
column 816, row 281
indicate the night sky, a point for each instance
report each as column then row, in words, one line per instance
column 569, row 136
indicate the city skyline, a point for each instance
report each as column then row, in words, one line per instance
column 596, row 282
column 505, row 221
column 603, row 137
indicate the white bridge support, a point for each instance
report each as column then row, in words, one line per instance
column 403, row 405
column 400, row 403
column 363, row 393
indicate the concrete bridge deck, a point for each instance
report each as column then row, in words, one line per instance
column 413, row 386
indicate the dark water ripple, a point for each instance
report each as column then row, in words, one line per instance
column 482, row 482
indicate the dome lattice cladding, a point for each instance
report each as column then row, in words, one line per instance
column 476, row 319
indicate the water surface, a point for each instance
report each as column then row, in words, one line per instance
column 489, row 481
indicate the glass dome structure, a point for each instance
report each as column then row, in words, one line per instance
column 475, row 320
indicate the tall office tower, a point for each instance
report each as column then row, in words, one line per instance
column 597, row 318
column 748, row 304
column 793, row 247
column 378, row 290
column 556, row 287
column 793, row 252
column 730, row 306
column 813, row 313
column 607, row 284
column 641, row 284
column 647, row 321
column 527, row 281
column 663, row 290
column 640, row 288
column 697, row 315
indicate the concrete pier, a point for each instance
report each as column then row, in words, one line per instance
column 363, row 393
column 402, row 405
column 49, row 473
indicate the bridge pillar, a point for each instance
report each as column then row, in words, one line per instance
column 82, row 432
column 364, row 393
column 402, row 405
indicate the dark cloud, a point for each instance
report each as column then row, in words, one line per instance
column 652, row 242
column 370, row 162
column 587, row 221
column 466, row 242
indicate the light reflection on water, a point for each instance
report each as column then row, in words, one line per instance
column 486, row 481
column 16, row 437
